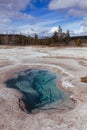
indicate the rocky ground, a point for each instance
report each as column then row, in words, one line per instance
column 70, row 62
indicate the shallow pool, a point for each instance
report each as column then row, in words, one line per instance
column 39, row 88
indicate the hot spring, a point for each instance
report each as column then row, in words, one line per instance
column 39, row 88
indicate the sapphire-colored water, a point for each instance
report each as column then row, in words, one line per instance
column 39, row 87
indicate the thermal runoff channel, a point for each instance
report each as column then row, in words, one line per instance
column 39, row 88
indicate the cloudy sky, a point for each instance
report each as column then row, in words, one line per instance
column 43, row 16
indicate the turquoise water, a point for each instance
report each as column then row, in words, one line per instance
column 39, row 87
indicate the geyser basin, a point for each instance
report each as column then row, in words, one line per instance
column 39, row 88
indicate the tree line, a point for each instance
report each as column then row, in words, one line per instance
column 59, row 38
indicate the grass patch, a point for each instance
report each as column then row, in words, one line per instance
column 84, row 79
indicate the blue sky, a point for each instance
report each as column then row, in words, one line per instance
column 43, row 16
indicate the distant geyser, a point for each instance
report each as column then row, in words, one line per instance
column 39, row 87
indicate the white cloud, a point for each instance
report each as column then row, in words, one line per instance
column 76, row 12
column 83, row 27
column 11, row 8
column 75, row 7
column 14, row 4
column 13, row 20
column 10, row 14
column 78, row 27
column 61, row 4
column 53, row 29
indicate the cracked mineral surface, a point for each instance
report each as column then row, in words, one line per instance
column 70, row 62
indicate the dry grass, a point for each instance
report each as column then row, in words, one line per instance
column 84, row 79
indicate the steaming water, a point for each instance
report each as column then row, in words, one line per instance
column 39, row 87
